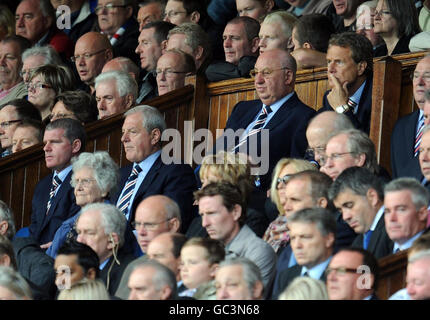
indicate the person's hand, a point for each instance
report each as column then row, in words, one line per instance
column 46, row 245
column 339, row 93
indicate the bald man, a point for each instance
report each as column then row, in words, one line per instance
column 154, row 215
column 122, row 64
column 321, row 128
column 92, row 51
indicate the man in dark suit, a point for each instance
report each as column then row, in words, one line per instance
column 359, row 195
column 279, row 110
column 119, row 24
column 312, row 236
column 102, row 227
column 344, row 272
column 349, row 72
column 53, row 198
column 405, row 137
column 150, row 174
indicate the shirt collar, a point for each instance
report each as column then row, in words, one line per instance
column 408, row 243
column 317, row 271
column 357, row 95
column 63, row 173
column 275, row 106
column 147, row 163
column 104, row 263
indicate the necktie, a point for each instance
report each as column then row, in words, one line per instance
column 366, row 239
column 352, row 104
column 55, row 183
column 397, row 250
column 258, row 125
column 419, row 135
column 306, row 274
column 124, row 202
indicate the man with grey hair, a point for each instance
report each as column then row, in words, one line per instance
column 151, row 172
column 14, row 286
column 38, row 56
column 321, row 128
column 406, row 214
column 102, row 227
column 116, row 91
column 245, row 274
column 41, row 28
column 349, row 148
column 192, row 39
column 418, row 275
column 7, row 223
column 359, row 196
column 424, row 153
column 151, row 210
column 405, row 139
column 152, row 281
column 312, row 236
column 276, row 31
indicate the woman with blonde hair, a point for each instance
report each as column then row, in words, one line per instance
column 85, row 290
column 277, row 232
column 305, row 288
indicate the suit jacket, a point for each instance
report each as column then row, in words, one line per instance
column 63, row 206
column 403, row 162
column 113, row 271
column 286, row 276
column 361, row 120
column 287, row 135
column 177, row 181
column 380, row 244
column 127, row 43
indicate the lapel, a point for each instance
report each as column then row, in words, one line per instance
column 283, row 112
column 149, row 178
column 410, row 130
column 251, row 110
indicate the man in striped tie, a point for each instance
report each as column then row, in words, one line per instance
column 406, row 136
column 148, row 175
column 349, row 72
column 53, row 198
column 279, row 110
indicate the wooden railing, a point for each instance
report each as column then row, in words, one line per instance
column 392, row 275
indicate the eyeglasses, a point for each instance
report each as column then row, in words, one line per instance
column 340, row 271
column 109, row 7
column 85, row 55
column 6, row 124
column 149, row 226
column 35, row 86
column 60, row 115
column 282, row 182
column 334, row 156
column 266, row 72
column 23, row 72
column 172, row 13
column 311, row 152
column 83, row 182
column 168, row 73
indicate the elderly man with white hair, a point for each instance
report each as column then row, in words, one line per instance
column 116, row 91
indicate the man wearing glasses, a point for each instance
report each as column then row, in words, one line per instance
column 180, row 11
column 172, row 68
column 155, row 215
column 92, row 51
column 11, row 116
column 11, row 84
column 116, row 20
column 344, row 272
column 279, row 110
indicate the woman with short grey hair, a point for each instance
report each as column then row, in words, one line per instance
column 95, row 177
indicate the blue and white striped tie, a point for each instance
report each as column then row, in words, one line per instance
column 419, row 135
column 124, row 202
column 55, row 183
column 258, row 125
